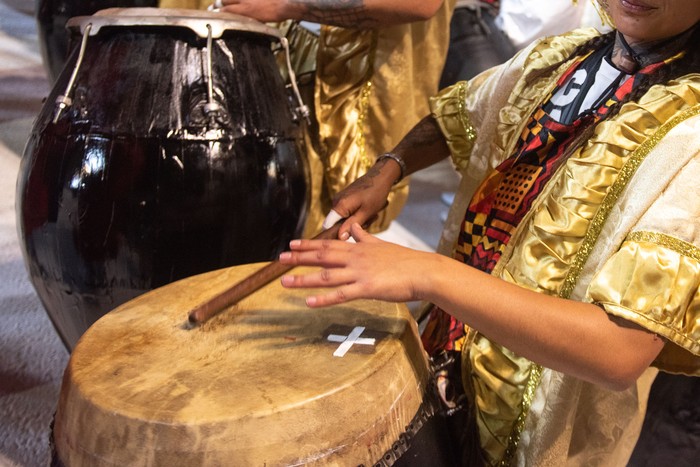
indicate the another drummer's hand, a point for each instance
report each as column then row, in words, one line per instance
column 261, row 10
column 370, row 268
column 362, row 200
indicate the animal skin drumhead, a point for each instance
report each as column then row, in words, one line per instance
column 266, row 382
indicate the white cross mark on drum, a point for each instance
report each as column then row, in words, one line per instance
column 348, row 341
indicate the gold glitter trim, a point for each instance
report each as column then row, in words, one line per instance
column 361, row 119
column 626, row 173
column 469, row 130
column 514, row 439
column 365, row 93
column 672, row 243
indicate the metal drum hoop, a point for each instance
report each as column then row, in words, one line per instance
column 201, row 23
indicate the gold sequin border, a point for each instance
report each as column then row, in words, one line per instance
column 514, row 439
column 672, row 243
column 469, row 130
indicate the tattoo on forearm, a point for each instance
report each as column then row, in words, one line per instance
column 425, row 134
column 362, row 183
column 368, row 179
column 344, row 13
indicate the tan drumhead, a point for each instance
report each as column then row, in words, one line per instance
column 267, row 382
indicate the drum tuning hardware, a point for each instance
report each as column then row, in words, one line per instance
column 441, row 361
column 302, row 109
column 64, row 101
column 211, row 107
column 459, row 406
column 426, row 412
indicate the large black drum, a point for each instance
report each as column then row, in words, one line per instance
column 52, row 16
column 168, row 147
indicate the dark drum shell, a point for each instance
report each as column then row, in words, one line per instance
column 136, row 184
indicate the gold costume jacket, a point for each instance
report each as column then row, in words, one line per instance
column 372, row 86
column 617, row 225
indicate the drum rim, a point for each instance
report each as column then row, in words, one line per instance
column 197, row 21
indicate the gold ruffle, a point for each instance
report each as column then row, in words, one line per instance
column 529, row 91
column 568, row 209
column 498, row 380
column 490, row 107
column 654, row 280
column 552, row 236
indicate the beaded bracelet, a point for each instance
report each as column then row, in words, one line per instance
column 398, row 159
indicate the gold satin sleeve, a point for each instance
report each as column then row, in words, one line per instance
column 654, row 281
column 449, row 110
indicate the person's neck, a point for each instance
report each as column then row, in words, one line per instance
column 630, row 58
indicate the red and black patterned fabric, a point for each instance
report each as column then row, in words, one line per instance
column 503, row 199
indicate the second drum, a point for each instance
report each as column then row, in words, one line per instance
column 168, row 147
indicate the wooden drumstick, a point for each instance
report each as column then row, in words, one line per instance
column 250, row 284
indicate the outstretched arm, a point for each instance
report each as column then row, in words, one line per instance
column 344, row 13
column 573, row 337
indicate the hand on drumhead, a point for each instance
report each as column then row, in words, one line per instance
column 369, row 268
column 261, row 10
